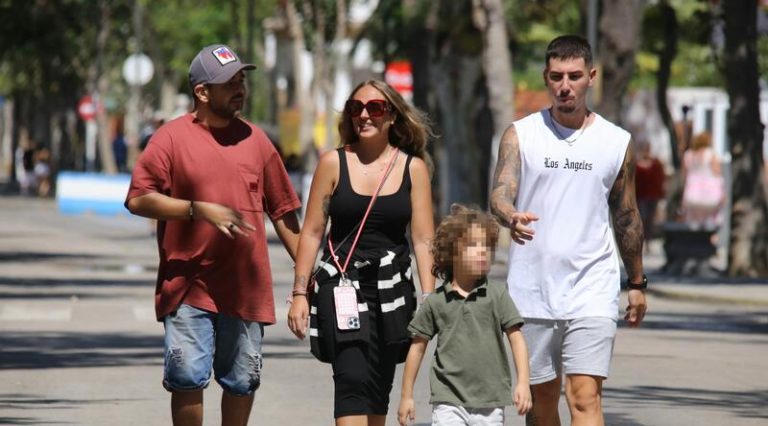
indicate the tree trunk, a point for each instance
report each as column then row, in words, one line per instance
column 667, row 54
column 248, row 49
column 489, row 19
column 749, row 217
column 100, row 85
column 456, row 79
column 302, row 96
column 337, row 62
column 422, row 36
column 620, row 27
column 458, row 154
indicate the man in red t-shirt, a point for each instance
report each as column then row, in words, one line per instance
column 208, row 177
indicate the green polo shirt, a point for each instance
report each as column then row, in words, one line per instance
column 470, row 367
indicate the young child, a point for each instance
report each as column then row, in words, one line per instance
column 470, row 378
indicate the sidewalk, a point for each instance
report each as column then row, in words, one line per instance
column 80, row 344
column 723, row 289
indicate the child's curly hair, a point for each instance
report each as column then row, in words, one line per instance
column 453, row 228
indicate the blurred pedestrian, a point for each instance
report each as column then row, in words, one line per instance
column 149, row 129
column 25, row 166
column 703, row 191
column 574, row 170
column 120, row 151
column 649, row 187
column 371, row 189
column 42, row 171
column 208, row 177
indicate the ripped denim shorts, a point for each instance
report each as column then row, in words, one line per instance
column 198, row 341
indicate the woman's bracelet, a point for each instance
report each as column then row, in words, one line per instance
column 294, row 293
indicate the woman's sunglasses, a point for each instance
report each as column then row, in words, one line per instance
column 376, row 108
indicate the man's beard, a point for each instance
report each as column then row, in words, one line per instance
column 224, row 111
column 566, row 109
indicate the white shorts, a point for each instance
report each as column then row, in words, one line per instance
column 577, row 346
column 453, row 415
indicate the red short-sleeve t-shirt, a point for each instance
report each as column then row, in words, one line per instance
column 237, row 167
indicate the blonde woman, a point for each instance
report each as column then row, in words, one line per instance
column 383, row 149
column 703, row 193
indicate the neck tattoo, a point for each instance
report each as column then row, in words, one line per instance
column 573, row 137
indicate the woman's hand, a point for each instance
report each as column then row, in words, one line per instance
column 298, row 316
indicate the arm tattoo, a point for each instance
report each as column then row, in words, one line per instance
column 326, row 207
column 506, row 178
column 300, row 283
column 626, row 218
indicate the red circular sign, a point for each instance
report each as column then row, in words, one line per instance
column 398, row 74
column 86, row 108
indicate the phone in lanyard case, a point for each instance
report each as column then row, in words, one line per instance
column 345, row 298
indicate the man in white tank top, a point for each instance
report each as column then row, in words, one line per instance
column 564, row 185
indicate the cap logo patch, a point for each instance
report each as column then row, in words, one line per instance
column 224, row 55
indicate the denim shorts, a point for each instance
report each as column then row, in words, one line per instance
column 577, row 346
column 198, row 341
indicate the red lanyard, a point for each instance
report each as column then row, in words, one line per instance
column 343, row 269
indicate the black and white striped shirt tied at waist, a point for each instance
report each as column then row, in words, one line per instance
column 396, row 303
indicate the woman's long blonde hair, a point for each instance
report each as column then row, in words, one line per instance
column 701, row 140
column 410, row 131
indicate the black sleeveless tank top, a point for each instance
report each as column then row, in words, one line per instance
column 385, row 227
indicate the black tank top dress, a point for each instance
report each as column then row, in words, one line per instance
column 364, row 370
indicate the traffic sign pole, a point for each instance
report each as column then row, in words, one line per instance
column 90, row 145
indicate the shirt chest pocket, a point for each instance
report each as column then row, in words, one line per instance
column 251, row 198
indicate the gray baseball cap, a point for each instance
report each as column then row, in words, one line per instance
column 215, row 64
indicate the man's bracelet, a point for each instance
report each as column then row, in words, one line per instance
column 191, row 210
column 638, row 286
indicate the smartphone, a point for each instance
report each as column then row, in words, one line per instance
column 347, row 315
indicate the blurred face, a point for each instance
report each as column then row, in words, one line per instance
column 473, row 256
column 568, row 81
column 374, row 118
column 226, row 100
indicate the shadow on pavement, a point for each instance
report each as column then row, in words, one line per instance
column 285, row 347
column 618, row 419
column 746, row 322
column 38, row 402
column 704, row 281
column 749, row 404
column 41, row 350
column 79, row 282
column 65, row 296
column 26, row 421
column 42, row 256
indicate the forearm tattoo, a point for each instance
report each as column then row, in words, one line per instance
column 300, row 283
column 506, row 178
column 626, row 218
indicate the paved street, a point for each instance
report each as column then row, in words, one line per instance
column 79, row 344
